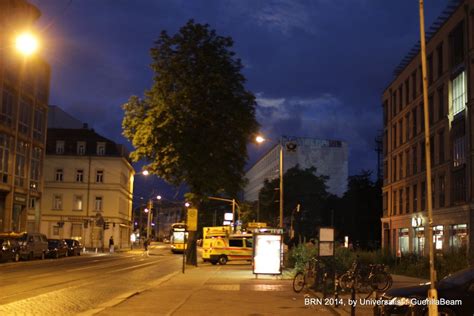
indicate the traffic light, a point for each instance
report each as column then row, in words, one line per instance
column 106, row 225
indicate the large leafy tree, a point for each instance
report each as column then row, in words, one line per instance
column 302, row 186
column 194, row 123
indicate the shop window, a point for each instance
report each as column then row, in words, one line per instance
column 419, row 241
column 403, row 240
column 438, row 236
column 458, row 238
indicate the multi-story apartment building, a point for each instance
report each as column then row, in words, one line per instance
column 450, row 89
column 24, row 92
column 88, row 188
column 330, row 157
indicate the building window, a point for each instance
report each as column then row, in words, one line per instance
column 423, row 195
column 385, row 113
column 456, row 39
column 400, row 201
column 400, row 98
column 459, row 93
column 407, row 200
column 55, row 230
column 403, row 240
column 100, row 149
column 38, row 125
column 24, row 119
column 438, row 236
column 32, row 203
column 57, row 202
column 99, row 176
column 458, row 237
column 407, row 92
column 459, row 180
column 394, row 136
column 400, row 132
column 59, row 175
column 419, row 241
column 400, row 166
column 413, row 85
column 439, row 52
column 20, row 166
column 4, row 157
column 415, row 198
column 394, row 202
column 9, row 100
column 423, row 159
column 407, row 127
column 442, row 189
column 79, row 175
column 414, row 113
column 77, row 203
column 35, row 168
column 414, row 156
column 432, row 149
column 441, row 146
column 440, row 103
column 459, row 153
column 81, row 148
column 430, row 68
column 59, row 147
column 98, row 204
column 407, row 163
column 394, row 169
column 430, row 109
column 422, row 118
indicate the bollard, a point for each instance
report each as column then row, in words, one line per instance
column 96, row 250
column 336, row 293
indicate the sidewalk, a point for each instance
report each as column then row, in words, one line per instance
column 216, row 290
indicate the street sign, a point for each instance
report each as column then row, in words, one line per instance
column 192, row 219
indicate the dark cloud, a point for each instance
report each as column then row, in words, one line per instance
column 318, row 67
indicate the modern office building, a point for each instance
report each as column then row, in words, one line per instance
column 88, row 188
column 450, row 88
column 330, row 157
column 24, row 93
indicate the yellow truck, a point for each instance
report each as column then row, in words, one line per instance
column 224, row 249
column 210, row 234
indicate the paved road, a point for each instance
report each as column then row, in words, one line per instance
column 75, row 285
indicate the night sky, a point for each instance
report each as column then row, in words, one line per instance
column 318, row 68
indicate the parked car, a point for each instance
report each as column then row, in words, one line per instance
column 32, row 245
column 455, row 293
column 10, row 249
column 57, row 248
column 74, row 247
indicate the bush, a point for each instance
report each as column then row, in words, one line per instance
column 298, row 256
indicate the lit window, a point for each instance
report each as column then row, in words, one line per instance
column 78, row 202
column 438, row 237
column 57, row 202
column 98, row 203
column 459, row 93
column 59, row 147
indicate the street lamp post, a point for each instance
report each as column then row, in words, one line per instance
column 261, row 139
column 432, row 292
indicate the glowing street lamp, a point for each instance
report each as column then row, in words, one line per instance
column 26, row 43
column 145, row 172
column 187, row 204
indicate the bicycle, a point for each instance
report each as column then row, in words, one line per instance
column 306, row 278
column 366, row 281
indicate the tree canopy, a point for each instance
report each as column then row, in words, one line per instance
column 194, row 123
column 302, row 186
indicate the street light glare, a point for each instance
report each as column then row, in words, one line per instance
column 145, row 172
column 145, row 210
column 187, row 204
column 259, row 139
column 26, row 44
column 158, row 197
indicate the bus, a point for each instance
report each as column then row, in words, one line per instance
column 178, row 237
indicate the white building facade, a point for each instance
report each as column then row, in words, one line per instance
column 87, row 190
column 329, row 157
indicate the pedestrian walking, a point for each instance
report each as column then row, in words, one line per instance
column 111, row 244
column 145, row 248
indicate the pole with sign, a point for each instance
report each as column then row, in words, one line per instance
column 191, row 223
